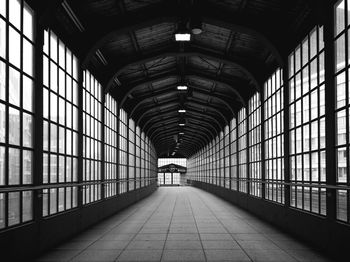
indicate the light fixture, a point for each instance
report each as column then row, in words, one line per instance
column 101, row 57
column 182, row 34
column 181, row 88
column 182, row 37
column 181, row 133
column 182, row 111
column 181, row 124
column 72, row 16
column 196, row 26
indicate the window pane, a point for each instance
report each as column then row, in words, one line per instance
column 2, row 38
column 27, row 202
column 2, row 123
column 340, row 17
column 14, row 87
column 14, row 126
column 28, row 22
column 28, row 50
column 340, row 53
column 14, row 166
column 27, row 94
column 14, row 208
column 2, row 165
column 15, row 13
column 27, row 130
column 14, row 47
column 27, row 167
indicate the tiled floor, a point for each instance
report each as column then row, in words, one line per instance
column 182, row 224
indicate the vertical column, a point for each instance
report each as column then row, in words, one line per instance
column 237, row 156
column 38, row 126
column 80, row 135
column 328, row 16
column 229, row 153
column 103, row 185
column 127, row 155
column 247, row 149
column 118, row 146
column 262, row 142
column 286, row 133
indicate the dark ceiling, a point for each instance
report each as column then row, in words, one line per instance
column 242, row 43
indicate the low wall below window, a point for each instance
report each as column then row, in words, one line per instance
column 31, row 239
column 331, row 237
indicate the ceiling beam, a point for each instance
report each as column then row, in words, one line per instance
column 150, row 123
column 239, row 88
column 172, row 90
column 198, row 115
column 106, row 28
column 195, row 129
column 151, row 109
column 188, row 123
column 114, row 70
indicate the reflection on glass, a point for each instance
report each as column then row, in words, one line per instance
column 27, row 130
column 14, row 87
column 27, row 202
column 13, row 215
column 27, row 167
column 14, row 166
column 2, row 210
column 14, row 126
column 2, row 123
column 53, row 201
column 341, row 165
column 342, row 205
column 2, row 165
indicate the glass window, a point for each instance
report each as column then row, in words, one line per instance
column 242, row 151
column 274, row 128
column 16, row 112
column 111, row 147
column 306, row 127
column 58, row 133
column 254, row 120
column 342, row 108
column 92, row 129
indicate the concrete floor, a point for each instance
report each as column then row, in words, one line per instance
column 183, row 224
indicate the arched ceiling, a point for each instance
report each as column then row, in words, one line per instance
column 129, row 46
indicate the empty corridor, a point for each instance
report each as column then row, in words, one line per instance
column 182, row 223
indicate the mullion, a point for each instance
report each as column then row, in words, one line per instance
column 6, row 197
column 319, row 53
column 346, row 68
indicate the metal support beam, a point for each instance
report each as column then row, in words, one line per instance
column 331, row 169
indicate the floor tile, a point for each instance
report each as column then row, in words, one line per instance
column 104, row 244
column 220, row 244
column 183, row 224
column 97, row 255
column 146, row 244
column 226, row 255
column 183, row 255
column 140, row 255
column 182, row 245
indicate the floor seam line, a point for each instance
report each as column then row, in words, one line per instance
column 123, row 220
column 141, row 227
column 195, row 221
column 223, row 226
column 166, row 238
